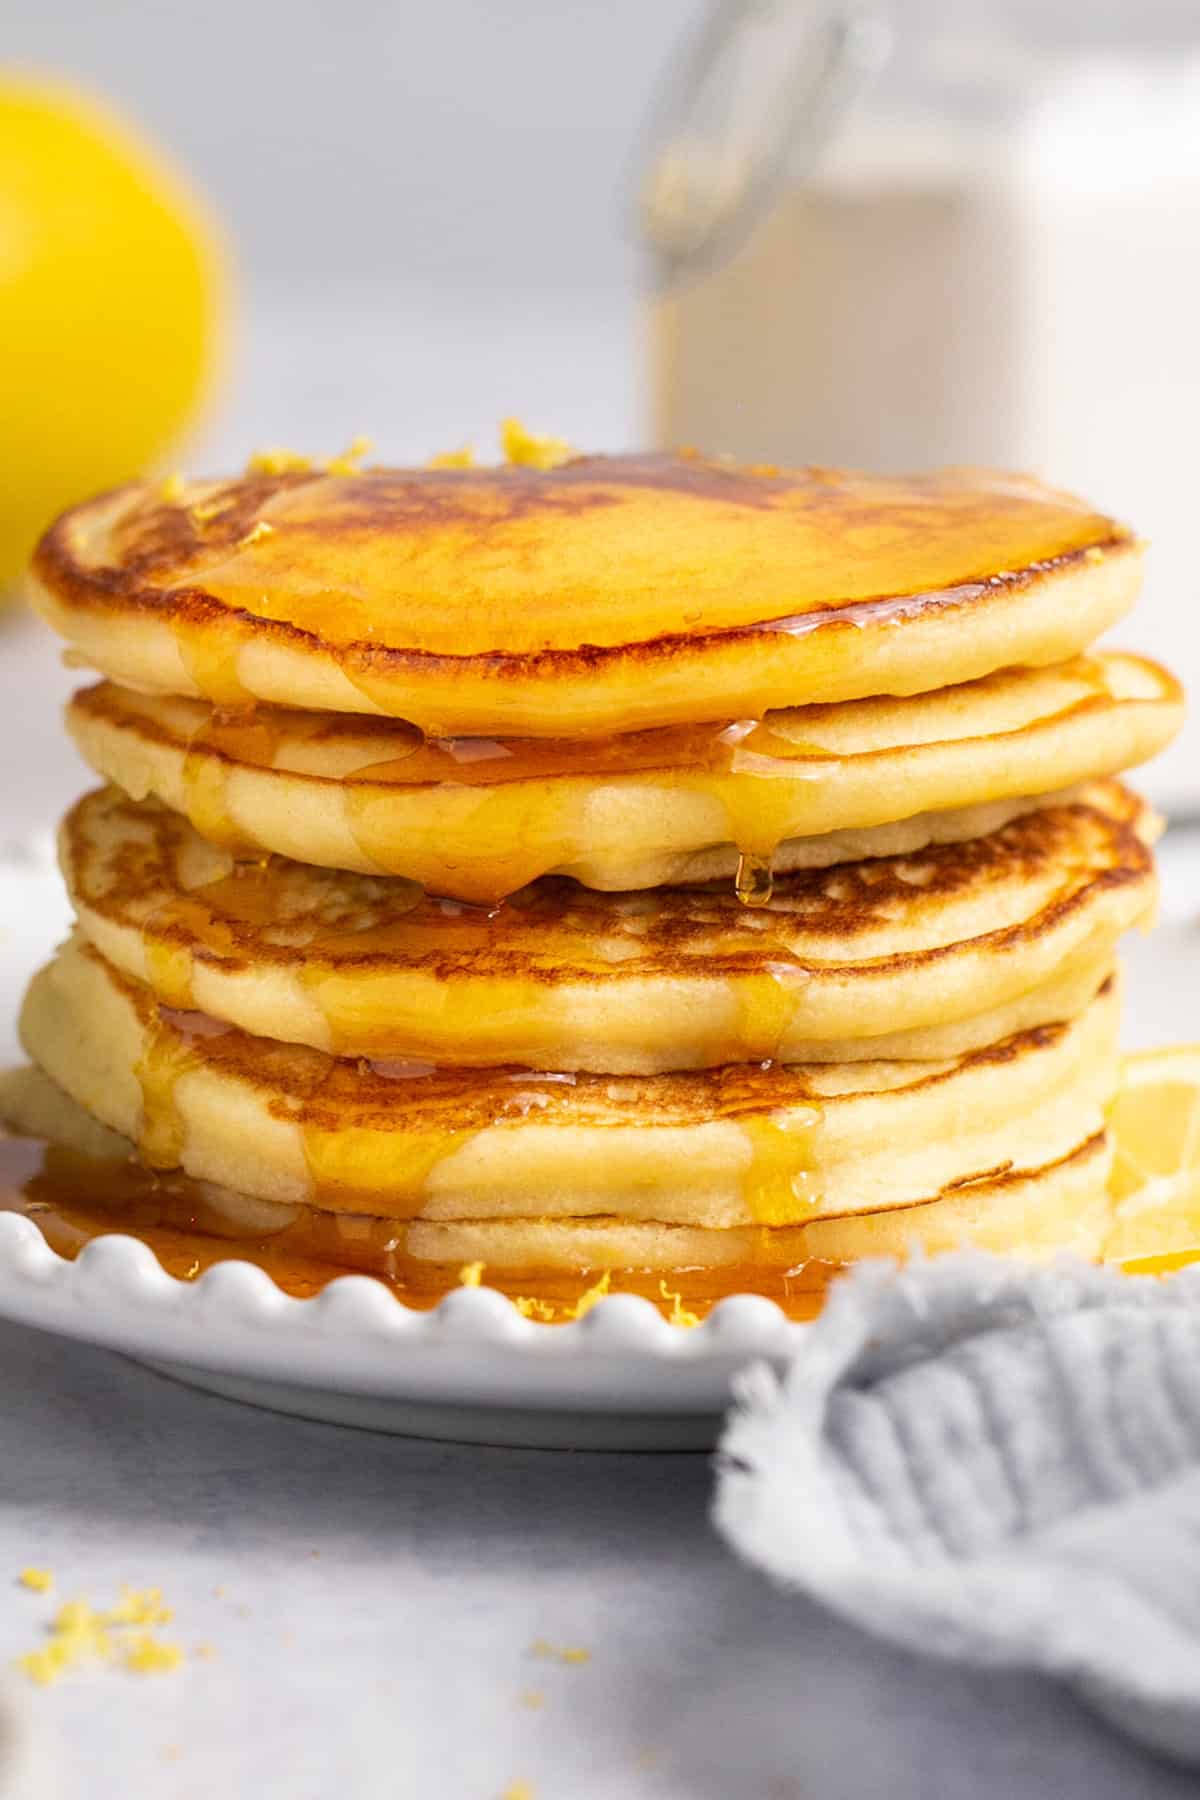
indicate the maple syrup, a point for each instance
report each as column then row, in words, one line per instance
column 779, row 1182
column 74, row 1199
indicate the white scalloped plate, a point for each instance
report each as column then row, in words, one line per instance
column 473, row 1369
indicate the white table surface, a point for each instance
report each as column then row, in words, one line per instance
column 371, row 1602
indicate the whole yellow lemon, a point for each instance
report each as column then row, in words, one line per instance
column 111, row 291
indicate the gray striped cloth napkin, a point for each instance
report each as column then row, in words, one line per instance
column 987, row 1462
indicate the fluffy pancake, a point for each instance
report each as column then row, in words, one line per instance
column 1033, row 1212
column 753, row 1144
column 922, row 956
column 604, row 595
column 478, row 819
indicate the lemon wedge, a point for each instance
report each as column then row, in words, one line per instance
column 1155, row 1180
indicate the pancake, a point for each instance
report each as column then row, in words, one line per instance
column 478, row 819
column 1031, row 1212
column 1038, row 1212
column 749, row 1145
column 924, row 956
column 604, row 595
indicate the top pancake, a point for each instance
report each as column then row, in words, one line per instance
column 608, row 594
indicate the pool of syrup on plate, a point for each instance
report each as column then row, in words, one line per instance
column 74, row 1199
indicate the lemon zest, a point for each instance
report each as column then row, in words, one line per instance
column 590, row 1297
column 147, row 1655
column 39, row 1580
column 347, row 461
column 679, row 1313
column 275, row 460
column 205, row 510
column 139, row 1606
column 471, row 1274
column 529, row 451
column 172, row 488
column 453, row 459
column 78, row 1632
column 530, row 1308
column 549, row 1652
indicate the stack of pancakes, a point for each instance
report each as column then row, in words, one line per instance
column 638, row 864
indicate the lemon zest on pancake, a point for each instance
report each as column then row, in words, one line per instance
column 453, row 459
column 39, row 1580
column 275, row 460
column 205, row 510
column 347, row 461
column 172, row 488
column 679, row 1314
column 529, row 451
column 471, row 1274
column 257, row 533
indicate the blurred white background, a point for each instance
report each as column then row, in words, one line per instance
column 422, row 197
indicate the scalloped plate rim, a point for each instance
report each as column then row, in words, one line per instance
column 474, row 1350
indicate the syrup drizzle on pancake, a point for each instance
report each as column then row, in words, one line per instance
column 525, row 821
column 778, row 1171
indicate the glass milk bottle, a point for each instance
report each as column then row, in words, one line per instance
column 967, row 233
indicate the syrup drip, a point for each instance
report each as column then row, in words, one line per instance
column 754, row 883
column 225, row 741
column 166, row 1058
column 343, row 1159
column 211, row 662
column 75, row 1199
column 767, row 1007
column 779, row 1185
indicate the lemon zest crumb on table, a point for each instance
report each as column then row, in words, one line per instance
column 78, row 1632
column 142, row 1606
column 39, row 1580
column 541, row 1647
column 147, row 1655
